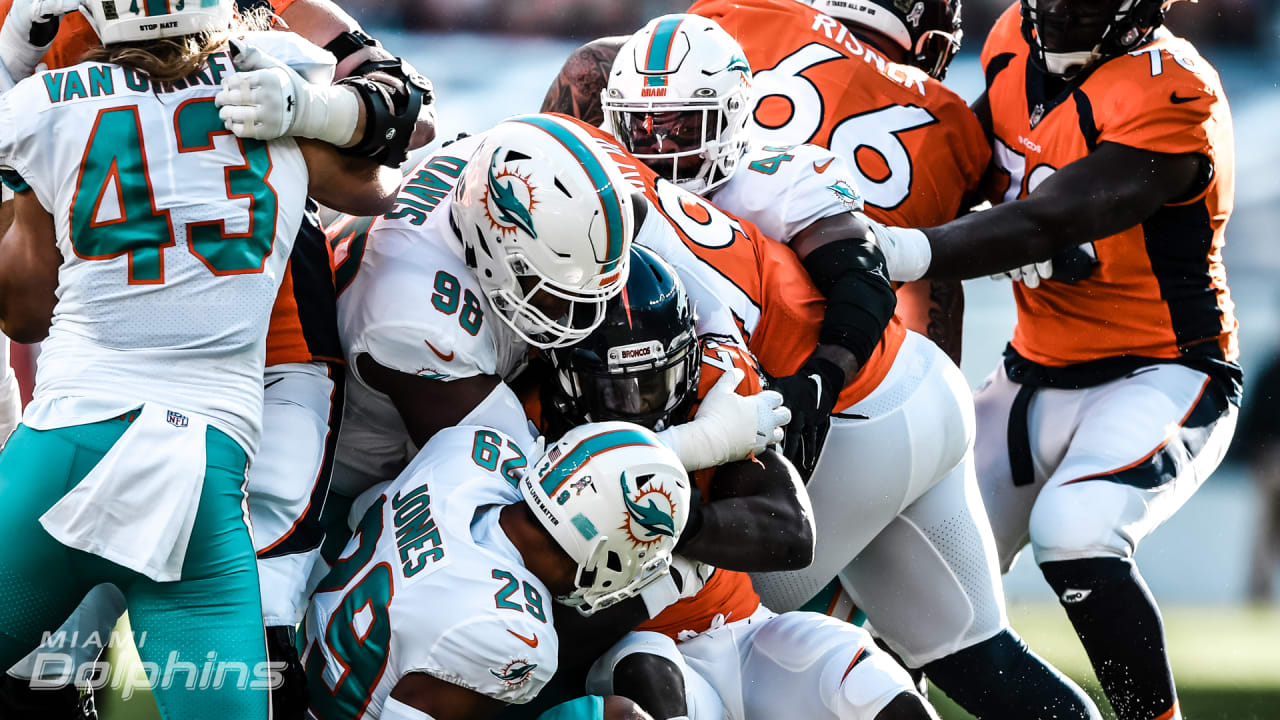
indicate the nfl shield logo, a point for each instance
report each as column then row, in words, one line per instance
column 177, row 419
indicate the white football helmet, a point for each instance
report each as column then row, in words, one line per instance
column 616, row 500
column 680, row 92
column 546, row 221
column 119, row 21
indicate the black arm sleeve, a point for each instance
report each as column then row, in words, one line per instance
column 860, row 298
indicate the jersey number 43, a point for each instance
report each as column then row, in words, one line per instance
column 114, row 172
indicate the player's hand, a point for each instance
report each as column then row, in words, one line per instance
column 28, row 31
column 728, row 426
column 1029, row 275
column 811, row 395
column 266, row 99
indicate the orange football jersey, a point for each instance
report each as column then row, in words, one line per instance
column 1159, row 289
column 303, row 326
column 916, row 150
column 915, row 147
column 778, row 307
column 727, row 592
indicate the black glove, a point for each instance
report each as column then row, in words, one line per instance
column 811, row 395
column 1075, row 263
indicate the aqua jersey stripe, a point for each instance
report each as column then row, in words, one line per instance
column 157, row 7
column 660, row 52
column 604, row 186
column 578, row 456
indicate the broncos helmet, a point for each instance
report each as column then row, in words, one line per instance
column 641, row 365
column 1068, row 35
column 929, row 30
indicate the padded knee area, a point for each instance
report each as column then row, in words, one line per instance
column 1086, row 519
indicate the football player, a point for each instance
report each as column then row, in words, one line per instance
column 443, row 299
column 150, row 387
column 679, row 98
column 1118, row 394
column 441, row 606
column 869, row 90
column 908, row 401
column 304, row 377
column 646, row 364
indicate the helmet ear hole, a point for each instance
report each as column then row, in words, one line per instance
column 614, row 563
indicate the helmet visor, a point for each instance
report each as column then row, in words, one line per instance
column 645, row 397
column 672, row 142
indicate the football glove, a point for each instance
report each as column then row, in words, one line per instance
column 266, row 99
column 811, row 395
column 28, row 32
column 1029, row 275
column 728, row 426
column 907, row 252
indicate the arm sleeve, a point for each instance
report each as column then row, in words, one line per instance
column 783, row 192
column 485, row 655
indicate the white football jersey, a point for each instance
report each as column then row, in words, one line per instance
column 173, row 233
column 783, row 190
column 413, row 306
column 431, row 584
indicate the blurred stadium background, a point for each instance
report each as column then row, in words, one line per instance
column 493, row 58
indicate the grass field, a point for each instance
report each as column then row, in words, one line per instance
column 1226, row 660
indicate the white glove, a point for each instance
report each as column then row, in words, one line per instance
column 28, row 32
column 728, row 426
column 1030, row 275
column 907, row 252
column 266, row 99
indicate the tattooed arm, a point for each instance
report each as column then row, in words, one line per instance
column 935, row 309
column 576, row 90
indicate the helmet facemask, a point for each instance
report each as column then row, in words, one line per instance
column 608, row 578
column 935, row 50
column 1067, row 36
column 650, row 392
column 668, row 135
column 544, row 314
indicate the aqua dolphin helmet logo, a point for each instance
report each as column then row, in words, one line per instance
column 739, row 63
column 646, row 521
column 511, row 214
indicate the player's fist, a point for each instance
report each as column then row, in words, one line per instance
column 811, row 395
column 266, row 99
column 728, row 426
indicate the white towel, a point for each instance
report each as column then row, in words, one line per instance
column 137, row 506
